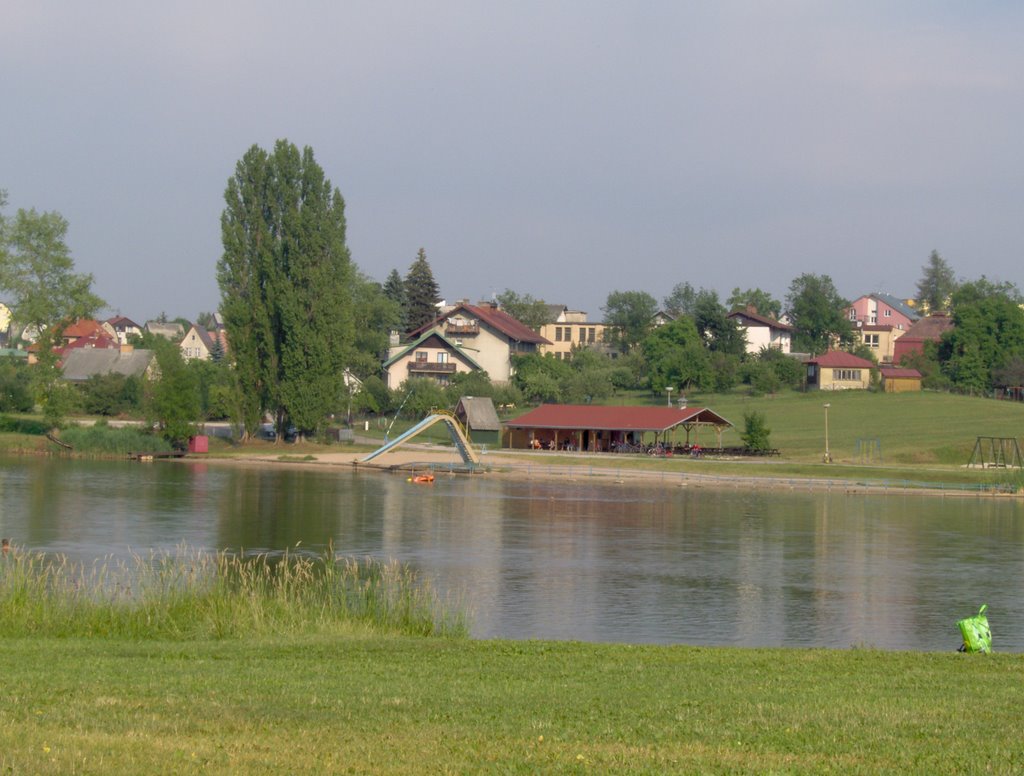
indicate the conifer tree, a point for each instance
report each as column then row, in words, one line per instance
column 421, row 293
column 394, row 289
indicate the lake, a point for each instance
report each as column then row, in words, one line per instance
column 587, row 560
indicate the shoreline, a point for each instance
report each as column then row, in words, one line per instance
column 513, row 465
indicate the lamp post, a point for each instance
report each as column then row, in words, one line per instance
column 669, row 390
column 828, row 456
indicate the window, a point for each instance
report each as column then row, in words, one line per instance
column 853, row 314
column 888, row 313
column 558, row 334
column 442, row 357
column 568, row 333
column 590, row 334
column 421, row 356
column 847, row 375
column 871, row 340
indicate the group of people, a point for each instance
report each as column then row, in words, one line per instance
column 567, row 445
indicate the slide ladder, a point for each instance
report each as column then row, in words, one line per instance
column 455, row 431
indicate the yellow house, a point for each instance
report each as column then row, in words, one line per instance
column 569, row 330
column 881, row 338
column 838, row 371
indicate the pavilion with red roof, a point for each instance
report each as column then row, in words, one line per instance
column 599, row 428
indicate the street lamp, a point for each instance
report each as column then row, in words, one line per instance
column 669, row 390
column 828, row 456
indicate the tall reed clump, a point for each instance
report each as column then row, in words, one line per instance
column 101, row 439
column 196, row 595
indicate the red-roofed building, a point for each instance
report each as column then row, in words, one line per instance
column 489, row 335
column 600, row 429
column 929, row 329
column 83, row 327
column 838, row 371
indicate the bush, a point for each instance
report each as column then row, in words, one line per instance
column 756, row 433
column 22, row 425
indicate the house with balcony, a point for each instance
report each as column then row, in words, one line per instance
column 431, row 355
column 881, row 310
column 484, row 334
column 571, row 329
column 881, row 339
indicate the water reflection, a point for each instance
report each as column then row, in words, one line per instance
column 574, row 560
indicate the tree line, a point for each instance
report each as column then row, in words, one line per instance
column 300, row 315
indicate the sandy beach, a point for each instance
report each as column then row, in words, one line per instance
column 580, row 467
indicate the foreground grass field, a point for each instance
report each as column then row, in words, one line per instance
column 394, row 704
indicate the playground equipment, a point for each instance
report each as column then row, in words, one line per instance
column 455, row 430
column 996, row 452
column 869, row 450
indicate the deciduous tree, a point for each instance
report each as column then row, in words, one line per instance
column 43, row 291
column 286, row 287
column 629, row 316
column 816, row 311
column 763, row 302
column 533, row 312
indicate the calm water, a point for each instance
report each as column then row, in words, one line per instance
column 575, row 560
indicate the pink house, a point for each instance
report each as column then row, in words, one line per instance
column 881, row 310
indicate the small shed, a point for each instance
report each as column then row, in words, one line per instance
column 899, row 379
column 480, row 419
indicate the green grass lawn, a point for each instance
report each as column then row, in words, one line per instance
column 396, row 704
column 923, row 428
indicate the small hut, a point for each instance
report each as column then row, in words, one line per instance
column 480, row 419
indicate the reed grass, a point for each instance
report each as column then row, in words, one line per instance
column 189, row 594
column 101, row 439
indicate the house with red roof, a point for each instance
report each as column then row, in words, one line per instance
column 601, row 429
column 432, row 356
column 928, row 329
column 837, row 370
column 486, row 334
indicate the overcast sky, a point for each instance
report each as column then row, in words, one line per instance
column 561, row 149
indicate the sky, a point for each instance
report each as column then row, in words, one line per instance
column 562, row 149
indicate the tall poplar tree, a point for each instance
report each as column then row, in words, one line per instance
column 421, row 293
column 286, row 287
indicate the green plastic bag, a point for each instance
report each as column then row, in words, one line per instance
column 976, row 633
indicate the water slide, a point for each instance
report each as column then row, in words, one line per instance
column 459, row 438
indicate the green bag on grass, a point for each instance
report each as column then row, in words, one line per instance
column 976, row 633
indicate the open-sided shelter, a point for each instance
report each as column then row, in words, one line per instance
column 598, row 428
